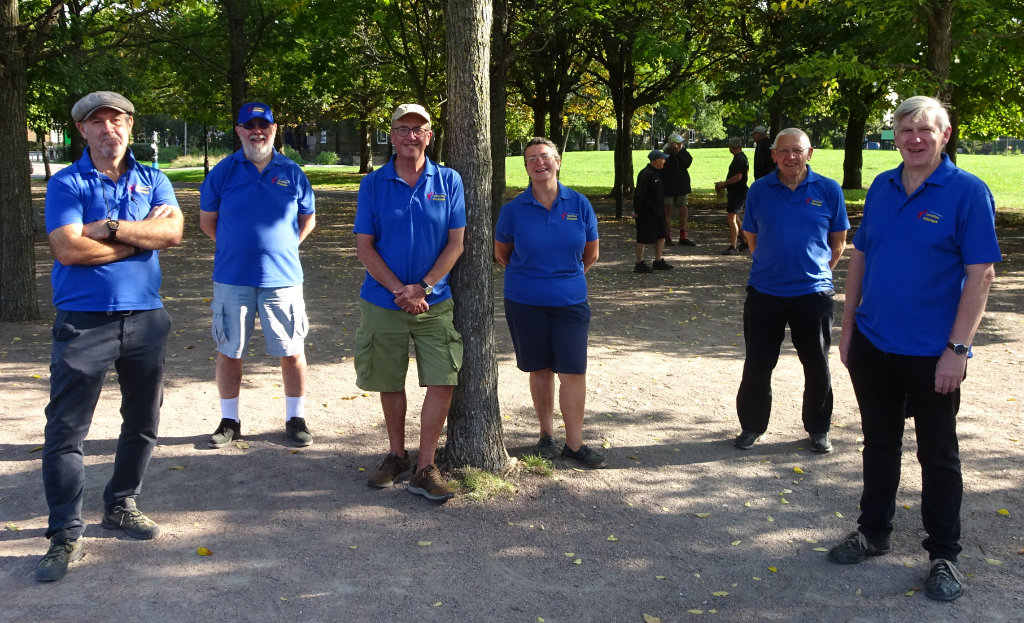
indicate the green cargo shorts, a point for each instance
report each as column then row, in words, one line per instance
column 382, row 347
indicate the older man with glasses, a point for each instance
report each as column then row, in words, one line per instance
column 410, row 223
column 258, row 206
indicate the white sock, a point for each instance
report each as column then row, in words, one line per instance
column 229, row 408
column 294, row 406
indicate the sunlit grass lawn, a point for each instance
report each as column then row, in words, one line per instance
column 590, row 172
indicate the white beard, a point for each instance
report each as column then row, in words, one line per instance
column 258, row 152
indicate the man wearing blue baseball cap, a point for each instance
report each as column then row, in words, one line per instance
column 649, row 213
column 258, row 206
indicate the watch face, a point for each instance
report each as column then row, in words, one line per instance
column 960, row 349
column 113, row 224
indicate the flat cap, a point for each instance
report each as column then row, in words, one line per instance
column 85, row 107
column 655, row 154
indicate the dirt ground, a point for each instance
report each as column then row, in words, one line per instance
column 680, row 526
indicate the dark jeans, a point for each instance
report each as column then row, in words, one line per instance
column 764, row 326
column 891, row 388
column 84, row 346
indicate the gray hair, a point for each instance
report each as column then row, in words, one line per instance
column 915, row 108
column 797, row 132
column 735, row 142
column 540, row 140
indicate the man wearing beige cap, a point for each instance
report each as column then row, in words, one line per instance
column 107, row 218
column 410, row 223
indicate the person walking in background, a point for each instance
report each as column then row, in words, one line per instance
column 546, row 238
column 735, row 185
column 795, row 223
column 257, row 206
column 648, row 203
column 107, row 219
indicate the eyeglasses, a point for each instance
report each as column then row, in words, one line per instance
column 545, row 158
column 252, row 125
column 403, row 131
column 788, row 152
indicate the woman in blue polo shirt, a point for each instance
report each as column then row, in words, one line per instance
column 546, row 239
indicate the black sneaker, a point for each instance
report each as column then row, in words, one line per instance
column 584, row 455
column 642, row 267
column 546, row 448
column 661, row 265
column 228, row 431
column 944, row 581
column 297, row 432
column 855, row 548
column 731, row 251
column 686, row 242
column 54, row 564
column 820, row 443
column 747, row 439
column 124, row 515
column 669, row 243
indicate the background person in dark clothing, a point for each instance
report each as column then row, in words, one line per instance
column 648, row 210
column 677, row 187
column 763, row 164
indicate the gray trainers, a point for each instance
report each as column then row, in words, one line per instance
column 228, row 431
column 584, row 455
column 747, row 439
column 124, row 515
column 392, row 469
column 429, row 483
column 855, row 548
column 54, row 564
column 298, row 432
column 820, row 443
column 944, row 581
column 546, row 448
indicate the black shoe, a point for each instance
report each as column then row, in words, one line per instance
column 584, row 455
column 546, row 448
column 731, row 251
column 686, row 242
column 744, row 246
column 228, row 431
column 669, row 243
column 54, row 564
column 944, row 581
column 124, row 515
column 642, row 267
column 820, row 443
column 855, row 548
column 297, row 432
column 661, row 265
column 747, row 439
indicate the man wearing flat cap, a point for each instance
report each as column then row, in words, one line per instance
column 410, row 224
column 107, row 218
column 257, row 206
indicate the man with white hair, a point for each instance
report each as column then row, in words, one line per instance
column 795, row 224
column 916, row 290
column 258, row 206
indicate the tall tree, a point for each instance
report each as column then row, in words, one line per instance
column 474, row 424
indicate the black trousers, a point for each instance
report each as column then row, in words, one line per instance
column 891, row 388
column 764, row 326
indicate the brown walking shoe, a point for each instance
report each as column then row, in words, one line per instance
column 391, row 470
column 429, row 483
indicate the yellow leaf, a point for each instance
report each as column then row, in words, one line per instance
column 910, row 593
column 650, row 618
column 295, row 451
column 13, row 527
column 798, row 470
column 695, row 611
column 770, row 518
column 756, row 579
column 283, row 598
column 659, row 577
column 540, row 619
column 720, row 593
column 838, row 514
column 606, row 444
column 177, row 467
column 578, row 469
column 702, row 515
column 783, row 501
column 821, row 549
column 202, row 551
column 812, row 541
column 362, row 469
column 578, row 561
column 612, row 537
column 36, row 449
column 773, row 569
column 437, row 604
column 424, row 543
column 1003, row 511
column 746, row 504
column 993, row 561
column 241, row 445
column 735, row 543
column 906, row 506
column 570, row 554
column 352, row 546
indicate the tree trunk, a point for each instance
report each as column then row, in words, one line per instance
column 475, row 435
column 499, row 103
column 44, row 153
column 17, row 253
column 853, row 155
column 236, row 12
column 365, row 147
column 939, row 14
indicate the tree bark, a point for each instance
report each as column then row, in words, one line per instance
column 365, row 147
column 853, row 155
column 499, row 103
column 939, row 14
column 475, row 435
column 236, row 12
column 17, row 253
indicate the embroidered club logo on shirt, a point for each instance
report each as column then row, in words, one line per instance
column 432, row 196
column 280, row 182
column 143, row 190
column 570, row 216
column 815, row 202
column 928, row 216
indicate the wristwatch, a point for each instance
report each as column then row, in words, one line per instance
column 426, row 289
column 112, row 225
column 960, row 349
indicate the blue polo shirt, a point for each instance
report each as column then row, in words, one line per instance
column 257, row 220
column 915, row 250
column 546, row 266
column 792, row 254
column 409, row 225
column 78, row 195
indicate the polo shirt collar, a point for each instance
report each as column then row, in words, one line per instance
column 527, row 195
column 276, row 158
column 773, row 178
column 86, row 167
column 939, row 176
column 388, row 171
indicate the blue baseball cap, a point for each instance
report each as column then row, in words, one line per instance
column 656, row 154
column 255, row 110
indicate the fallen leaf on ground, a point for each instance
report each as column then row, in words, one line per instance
column 773, row 569
column 770, row 518
column 13, row 527
column 570, row 554
column 720, row 593
column 659, row 577
column 821, row 549
column 177, row 467
column 702, row 515
column 1003, row 511
column 202, row 551
column 798, row 470
column 612, row 537
column 650, row 618
column 437, row 604
column 993, row 561
column 783, row 501
column 578, row 561
column 810, row 540
column 36, row 449
column 838, row 514
column 756, row 579
column 424, row 543
column 736, row 542
column 241, row 445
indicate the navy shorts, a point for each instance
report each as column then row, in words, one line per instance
column 549, row 337
column 648, row 230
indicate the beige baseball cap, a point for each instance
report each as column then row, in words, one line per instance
column 410, row 109
column 85, row 107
